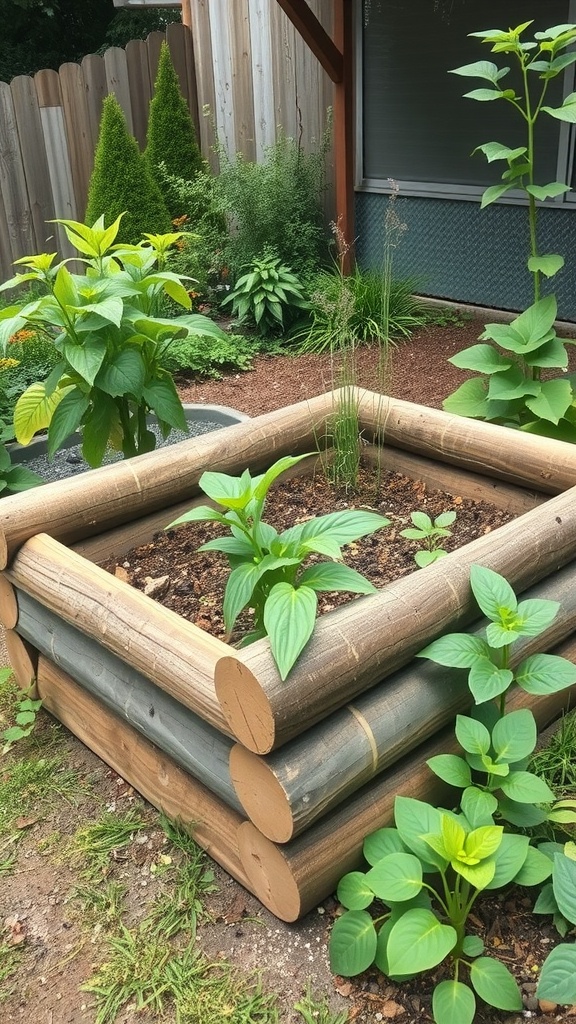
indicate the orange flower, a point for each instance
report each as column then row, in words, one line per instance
column 21, row 336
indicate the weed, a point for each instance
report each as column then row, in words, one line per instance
column 147, row 970
column 178, row 908
column 25, row 718
column 9, row 962
column 96, row 842
column 100, row 902
column 317, row 1011
column 30, row 785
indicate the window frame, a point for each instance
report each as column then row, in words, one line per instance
column 565, row 163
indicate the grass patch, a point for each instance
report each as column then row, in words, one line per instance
column 317, row 1011
column 94, row 844
column 9, row 963
column 29, row 786
column 556, row 762
column 149, row 972
column 179, row 906
column 102, row 905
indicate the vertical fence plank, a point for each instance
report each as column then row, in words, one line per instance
column 117, row 80
column 96, row 89
column 76, row 119
column 6, row 256
column 47, row 85
column 154, row 43
column 140, row 87
column 262, row 78
column 283, row 46
column 179, row 39
column 222, row 72
column 200, row 12
column 12, row 180
column 241, row 83
column 34, row 160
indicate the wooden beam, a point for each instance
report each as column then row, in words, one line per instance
column 344, row 132
column 315, row 36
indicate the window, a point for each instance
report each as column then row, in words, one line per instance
column 416, row 126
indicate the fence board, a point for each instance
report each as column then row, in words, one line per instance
column 54, row 134
column 200, row 14
column 262, row 78
column 285, row 94
column 75, row 107
column 241, row 82
column 117, row 80
column 140, row 87
column 222, row 73
column 12, row 178
column 154, row 42
column 34, row 160
column 6, row 254
column 96, row 89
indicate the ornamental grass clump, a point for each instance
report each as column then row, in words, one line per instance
column 510, row 389
column 267, row 567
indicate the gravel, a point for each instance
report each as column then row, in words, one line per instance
column 69, row 462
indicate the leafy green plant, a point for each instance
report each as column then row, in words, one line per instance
column 204, row 230
column 276, row 202
column 110, row 341
column 171, row 135
column 558, row 975
column 25, row 714
column 268, row 573
column 428, row 871
column 199, row 357
column 498, row 745
column 122, row 182
column 268, row 296
column 13, row 478
column 430, row 534
column 511, row 389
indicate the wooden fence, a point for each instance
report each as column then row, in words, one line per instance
column 243, row 74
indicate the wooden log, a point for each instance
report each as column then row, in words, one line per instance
column 191, row 743
column 441, row 477
column 8, row 604
column 285, row 792
column 213, row 825
column 371, row 637
column 154, row 640
column 23, row 658
column 511, row 455
column 292, row 879
column 84, row 505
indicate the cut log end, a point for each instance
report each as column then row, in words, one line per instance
column 3, row 550
column 269, row 874
column 23, row 660
column 8, row 604
column 245, row 706
column 262, row 796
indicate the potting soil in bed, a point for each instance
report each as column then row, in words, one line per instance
column 171, row 570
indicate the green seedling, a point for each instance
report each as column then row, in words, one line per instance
column 429, row 533
column 267, row 567
column 428, row 871
column 24, row 717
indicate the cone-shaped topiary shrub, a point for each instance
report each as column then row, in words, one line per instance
column 171, row 136
column 122, row 182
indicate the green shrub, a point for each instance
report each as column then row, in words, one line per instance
column 203, row 225
column 353, row 310
column 209, row 357
column 276, row 203
column 171, row 135
column 29, row 356
column 268, row 296
column 121, row 181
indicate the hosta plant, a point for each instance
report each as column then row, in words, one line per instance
column 497, row 746
column 428, row 872
column 510, row 389
column 558, row 975
column 267, row 568
column 429, row 533
column 105, row 326
column 268, row 295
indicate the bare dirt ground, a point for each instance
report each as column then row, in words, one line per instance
column 61, row 943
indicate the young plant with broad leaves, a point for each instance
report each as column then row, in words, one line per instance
column 429, row 533
column 428, row 871
column 267, row 567
column 497, row 746
column 557, row 981
column 511, row 390
column 105, row 324
column 268, row 296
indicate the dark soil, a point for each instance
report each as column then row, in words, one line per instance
column 192, row 583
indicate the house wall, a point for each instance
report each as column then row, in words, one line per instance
column 456, row 251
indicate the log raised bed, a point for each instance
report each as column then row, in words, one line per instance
column 210, row 733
